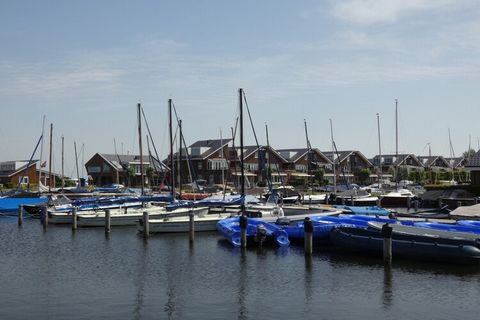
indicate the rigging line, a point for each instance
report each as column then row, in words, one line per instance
column 191, row 170
column 250, row 118
column 235, row 156
column 31, row 159
column 342, row 168
column 150, row 135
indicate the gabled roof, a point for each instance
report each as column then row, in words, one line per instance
column 249, row 150
column 343, row 155
column 429, row 161
column 120, row 161
column 210, row 146
column 457, row 162
column 11, row 173
column 400, row 159
column 296, row 154
column 474, row 161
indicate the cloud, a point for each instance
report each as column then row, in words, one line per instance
column 368, row 12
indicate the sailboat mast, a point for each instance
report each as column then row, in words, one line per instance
column 396, row 143
column 140, row 145
column 333, row 159
column 63, row 160
column 223, row 168
column 242, row 175
column 76, row 163
column 269, row 170
column 180, row 159
column 379, row 153
column 41, row 155
column 172, row 164
column 50, row 161
column 309, row 151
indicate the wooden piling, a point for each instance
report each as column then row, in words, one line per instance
column 409, row 203
column 20, row 215
column 191, row 226
column 44, row 217
column 74, row 218
column 387, row 243
column 439, row 203
column 107, row 221
column 415, row 203
column 243, row 221
column 146, row 225
column 379, row 202
column 308, row 240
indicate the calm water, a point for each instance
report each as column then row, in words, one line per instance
column 58, row 274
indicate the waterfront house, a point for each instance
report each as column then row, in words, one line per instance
column 302, row 163
column 407, row 165
column 473, row 166
column 106, row 169
column 13, row 173
column 348, row 165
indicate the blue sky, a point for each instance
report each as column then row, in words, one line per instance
column 86, row 64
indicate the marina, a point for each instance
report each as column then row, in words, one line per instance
column 60, row 274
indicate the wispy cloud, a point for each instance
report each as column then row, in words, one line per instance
column 367, row 12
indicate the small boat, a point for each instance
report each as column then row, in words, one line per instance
column 410, row 242
column 258, row 232
column 132, row 217
column 449, row 227
column 397, row 198
column 365, row 210
column 10, row 203
column 355, row 197
column 181, row 223
column 472, row 223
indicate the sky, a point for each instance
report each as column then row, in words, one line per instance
column 84, row 66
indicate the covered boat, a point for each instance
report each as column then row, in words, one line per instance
column 258, row 232
column 410, row 242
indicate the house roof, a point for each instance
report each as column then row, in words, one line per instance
column 249, row 150
column 429, row 161
column 296, row 154
column 399, row 159
column 11, row 173
column 208, row 147
column 456, row 162
column 474, row 161
column 118, row 161
column 343, row 155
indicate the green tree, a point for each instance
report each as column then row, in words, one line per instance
column 362, row 175
column 130, row 174
column 469, row 153
column 319, row 174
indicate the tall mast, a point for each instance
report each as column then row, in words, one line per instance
column 180, row 159
column 333, row 158
column 396, row 143
column 41, row 155
column 379, row 153
column 140, row 145
column 242, row 176
column 309, row 151
column 172, row 165
column 63, row 159
column 269, row 171
column 76, row 163
column 50, row 161
column 222, row 162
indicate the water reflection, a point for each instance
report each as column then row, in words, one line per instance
column 242, row 285
column 387, row 286
column 140, row 280
column 308, row 281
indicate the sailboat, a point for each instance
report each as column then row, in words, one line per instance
column 399, row 197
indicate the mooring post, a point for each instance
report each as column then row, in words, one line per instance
column 44, row 217
column 409, row 203
column 20, row 215
column 343, row 201
column 125, row 209
column 146, row 225
column 326, row 198
column 387, row 243
column 191, row 225
column 379, row 202
column 415, row 203
column 308, row 230
column 74, row 218
column 243, row 221
column 107, row 221
column 439, row 203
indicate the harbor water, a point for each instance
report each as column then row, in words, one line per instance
column 60, row 274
